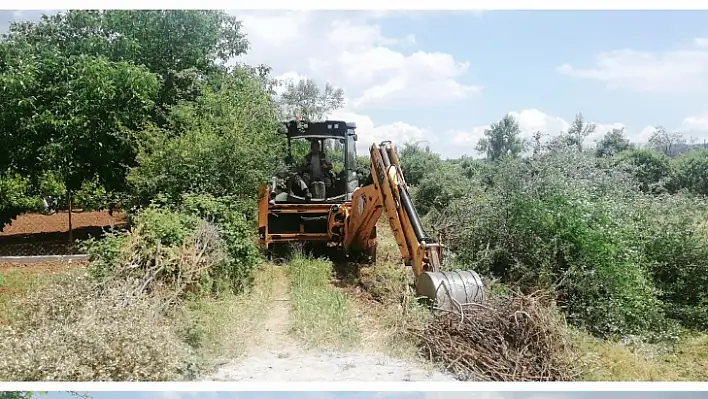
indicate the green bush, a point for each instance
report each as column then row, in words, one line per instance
column 691, row 172
column 438, row 190
column 651, row 168
column 676, row 248
column 92, row 196
column 151, row 252
column 565, row 222
column 15, row 198
column 238, row 234
column 204, row 247
column 417, row 162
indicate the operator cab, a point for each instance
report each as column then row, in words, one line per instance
column 331, row 180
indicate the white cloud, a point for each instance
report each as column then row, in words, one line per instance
column 695, row 128
column 695, row 123
column 351, row 51
column 532, row 120
column 701, row 41
column 677, row 71
column 369, row 133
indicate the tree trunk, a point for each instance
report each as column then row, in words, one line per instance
column 71, row 229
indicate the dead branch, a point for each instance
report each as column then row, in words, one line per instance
column 516, row 338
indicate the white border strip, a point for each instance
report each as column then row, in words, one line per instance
column 368, row 5
column 270, row 386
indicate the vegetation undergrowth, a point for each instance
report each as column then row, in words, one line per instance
column 618, row 238
column 147, row 304
column 321, row 315
column 208, row 324
column 604, row 360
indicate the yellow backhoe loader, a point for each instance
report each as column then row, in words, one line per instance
column 327, row 202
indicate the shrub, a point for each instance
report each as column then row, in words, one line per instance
column 231, row 218
column 691, row 172
column 676, row 249
column 565, row 222
column 417, row 162
column 166, row 253
column 92, row 196
column 651, row 168
column 15, row 198
column 204, row 247
column 438, row 190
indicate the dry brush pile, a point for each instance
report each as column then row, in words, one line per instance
column 509, row 338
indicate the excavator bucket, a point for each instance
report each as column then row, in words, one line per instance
column 450, row 290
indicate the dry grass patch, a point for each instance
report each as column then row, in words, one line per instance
column 16, row 283
column 385, row 302
column 387, row 311
column 59, row 327
column 68, row 332
column 609, row 361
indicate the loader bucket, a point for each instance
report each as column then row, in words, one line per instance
column 451, row 290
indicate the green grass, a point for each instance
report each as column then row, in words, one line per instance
column 321, row 315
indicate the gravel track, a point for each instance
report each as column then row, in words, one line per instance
column 277, row 357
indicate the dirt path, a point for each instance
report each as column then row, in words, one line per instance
column 276, row 356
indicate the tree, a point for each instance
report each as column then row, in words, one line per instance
column 650, row 167
column 537, row 145
column 612, row 143
column 417, row 162
column 666, row 142
column 77, row 89
column 502, row 139
column 578, row 131
column 222, row 144
column 32, row 394
column 19, row 394
column 180, row 46
column 306, row 100
column 691, row 172
column 72, row 115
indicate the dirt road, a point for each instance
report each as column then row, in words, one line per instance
column 275, row 355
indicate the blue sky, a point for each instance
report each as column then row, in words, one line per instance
column 383, row 395
column 443, row 77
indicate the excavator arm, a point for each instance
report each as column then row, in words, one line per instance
column 388, row 191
